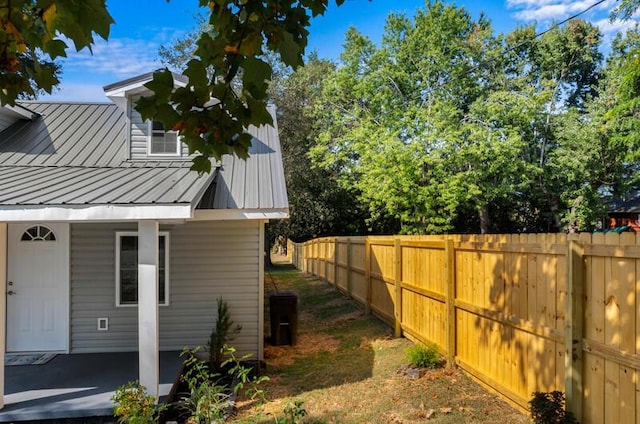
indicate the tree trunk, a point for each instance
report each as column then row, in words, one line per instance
column 483, row 216
column 267, row 247
column 554, row 206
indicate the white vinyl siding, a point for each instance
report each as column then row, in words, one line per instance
column 140, row 135
column 208, row 260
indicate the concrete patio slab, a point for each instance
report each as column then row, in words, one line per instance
column 78, row 385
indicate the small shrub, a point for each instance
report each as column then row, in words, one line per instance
column 223, row 332
column 424, row 356
column 209, row 394
column 207, row 398
column 294, row 413
column 134, row 406
column 549, row 408
column 245, row 380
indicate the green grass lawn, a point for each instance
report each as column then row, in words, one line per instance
column 347, row 368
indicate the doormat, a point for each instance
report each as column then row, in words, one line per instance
column 11, row 359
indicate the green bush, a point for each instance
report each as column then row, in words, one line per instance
column 424, row 356
column 132, row 405
column 208, row 397
column 549, row 408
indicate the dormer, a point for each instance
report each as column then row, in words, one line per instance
column 146, row 140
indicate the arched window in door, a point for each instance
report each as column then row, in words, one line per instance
column 38, row 233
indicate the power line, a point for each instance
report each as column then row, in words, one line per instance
column 569, row 19
column 540, row 34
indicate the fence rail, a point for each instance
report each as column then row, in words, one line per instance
column 520, row 313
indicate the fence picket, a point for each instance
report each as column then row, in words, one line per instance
column 520, row 313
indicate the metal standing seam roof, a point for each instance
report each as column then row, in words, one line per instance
column 631, row 205
column 26, row 185
column 75, row 154
column 257, row 182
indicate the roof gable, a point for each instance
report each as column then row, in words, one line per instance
column 135, row 85
column 68, row 161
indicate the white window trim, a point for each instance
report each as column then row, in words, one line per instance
column 167, row 271
column 178, row 151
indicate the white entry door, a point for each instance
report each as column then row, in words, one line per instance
column 37, row 287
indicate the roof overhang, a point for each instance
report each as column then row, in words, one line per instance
column 239, row 214
column 20, row 111
column 135, row 85
column 94, row 213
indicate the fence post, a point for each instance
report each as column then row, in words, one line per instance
column 574, row 328
column 316, row 256
column 305, row 255
column 450, row 301
column 326, row 260
column 335, row 262
column 349, row 267
column 397, row 267
column 367, row 275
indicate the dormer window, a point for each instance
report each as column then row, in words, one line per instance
column 161, row 142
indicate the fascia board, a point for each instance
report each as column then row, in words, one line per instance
column 93, row 213
column 239, row 214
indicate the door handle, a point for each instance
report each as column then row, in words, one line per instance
column 11, row 292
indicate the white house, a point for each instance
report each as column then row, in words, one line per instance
column 109, row 243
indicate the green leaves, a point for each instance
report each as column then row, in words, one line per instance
column 440, row 130
column 228, row 78
column 30, row 39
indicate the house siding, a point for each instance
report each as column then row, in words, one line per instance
column 139, row 136
column 208, row 260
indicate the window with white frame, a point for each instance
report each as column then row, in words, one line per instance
column 161, row 142
column 127, row 268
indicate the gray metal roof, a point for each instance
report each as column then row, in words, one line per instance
column 254, row 183
column 29, row 185
column 76, row 154
column 66, row 134
column 631, row 205
column 142, row 79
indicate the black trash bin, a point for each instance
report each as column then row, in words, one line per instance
column 283, row 311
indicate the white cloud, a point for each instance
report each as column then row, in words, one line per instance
column 120, row 57
column 527, row 3
column 545, row 12
column 548, row 12
column 608, row 27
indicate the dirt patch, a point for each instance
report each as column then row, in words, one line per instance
column 308, row 344
column 350, row 316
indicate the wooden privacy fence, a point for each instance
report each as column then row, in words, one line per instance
column 507, row 309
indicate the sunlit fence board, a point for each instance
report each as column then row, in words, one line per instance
column 509, row 308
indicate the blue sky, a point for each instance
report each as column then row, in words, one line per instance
column 144, row 25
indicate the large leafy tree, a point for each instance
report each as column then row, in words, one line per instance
column 319, row 205
column 597, row 154
column 389, row 111
column 446, row 126
column 561, row 69
column 210, row 113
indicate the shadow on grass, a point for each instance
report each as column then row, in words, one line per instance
column 334, row 337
